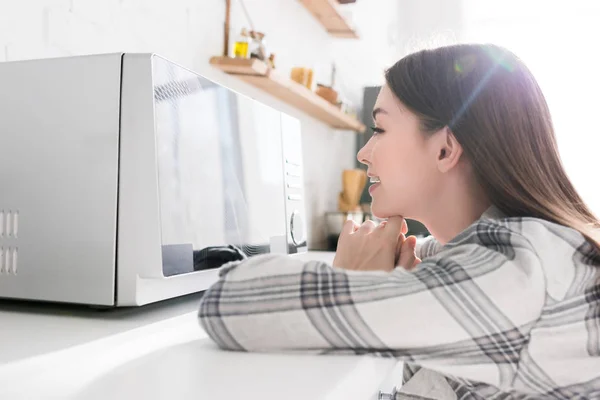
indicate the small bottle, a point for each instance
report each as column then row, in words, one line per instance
column 240, row 49
column 271, row 60
column 257, row 46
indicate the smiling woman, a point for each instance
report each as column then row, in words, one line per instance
column 504, row 302
column 412, row 192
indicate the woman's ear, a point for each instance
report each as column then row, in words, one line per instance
column 449, row 150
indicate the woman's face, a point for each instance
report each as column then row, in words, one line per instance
column 400, row 155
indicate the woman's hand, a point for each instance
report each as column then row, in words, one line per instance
column 406, row 256
column 368, row 247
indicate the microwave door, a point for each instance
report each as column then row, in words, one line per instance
column 219, row 169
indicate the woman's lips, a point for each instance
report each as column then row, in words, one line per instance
column 373, row 187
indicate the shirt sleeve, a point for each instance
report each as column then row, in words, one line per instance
column 466, row 311
column 427, row 247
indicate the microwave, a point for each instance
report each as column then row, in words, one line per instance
column 120, row 172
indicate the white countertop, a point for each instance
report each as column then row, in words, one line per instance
column 160, row 352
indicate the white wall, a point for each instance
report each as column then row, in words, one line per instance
column 559, row 43
column 428, row 24
column 189, row 32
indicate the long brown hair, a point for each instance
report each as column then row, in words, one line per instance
column 494, row 107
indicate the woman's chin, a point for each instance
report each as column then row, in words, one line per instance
column 381, row 212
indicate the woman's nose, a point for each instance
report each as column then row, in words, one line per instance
column 362, row 155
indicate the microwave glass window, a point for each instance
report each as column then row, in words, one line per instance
column 219, row 171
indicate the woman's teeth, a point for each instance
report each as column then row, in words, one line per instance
column 374, row 180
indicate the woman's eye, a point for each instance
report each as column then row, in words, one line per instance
column 376, row 130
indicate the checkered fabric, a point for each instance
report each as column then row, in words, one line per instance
column 510, row 308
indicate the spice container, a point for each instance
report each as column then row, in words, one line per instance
column 303, row 76
column 257, row 46
column 240, row 49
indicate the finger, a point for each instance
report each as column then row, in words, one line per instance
column 413, row 246
column 404, row 228
column 412, row 243
column 401, row 240
column 393, row 227
column 414, row 250
column 367, row 227
column 350, row 226
column 407, row 253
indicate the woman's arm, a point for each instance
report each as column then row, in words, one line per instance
column 466, row 311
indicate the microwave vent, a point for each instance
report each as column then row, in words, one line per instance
column 9, row 224
column 9, row 257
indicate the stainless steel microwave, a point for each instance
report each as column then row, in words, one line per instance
column 127, row 179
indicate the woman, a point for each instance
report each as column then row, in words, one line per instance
column 504, row 302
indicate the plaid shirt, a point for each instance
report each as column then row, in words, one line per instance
column 510, row 308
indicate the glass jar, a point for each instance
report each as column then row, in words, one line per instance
column 258, row 46
column 240, row 49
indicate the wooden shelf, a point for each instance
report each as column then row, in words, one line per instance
column 327, row 13
column 259, row 74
